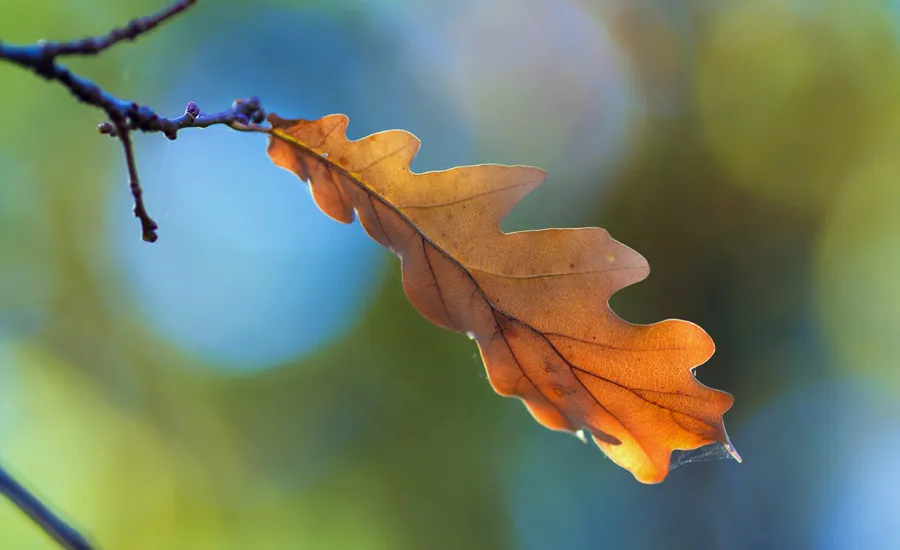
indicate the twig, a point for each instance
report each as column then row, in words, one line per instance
column 135, row 28
column 60, row 531
column 242, row 114
column 148, row 226
column 123, row 118
column 126, row 116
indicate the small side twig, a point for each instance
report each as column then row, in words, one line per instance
column 148, row 226
column 125, row 117
column 59, row 530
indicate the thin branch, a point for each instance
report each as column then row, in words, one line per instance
column 123, row 118
column 59, row 530
column 148, row 226
column 135, row 28
column 242, row 113
column 126, row 116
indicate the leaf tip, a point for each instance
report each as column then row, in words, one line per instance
column 732, row 451
column 581, row 436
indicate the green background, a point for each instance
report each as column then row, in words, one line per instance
column 257, row 379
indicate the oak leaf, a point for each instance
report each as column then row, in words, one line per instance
column 536, row 302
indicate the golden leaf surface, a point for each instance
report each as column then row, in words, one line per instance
column 536, row 302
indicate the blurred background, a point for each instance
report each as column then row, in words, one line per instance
column 257, row 379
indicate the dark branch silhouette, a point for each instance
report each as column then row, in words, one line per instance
column 123, row 118
column 60, row 531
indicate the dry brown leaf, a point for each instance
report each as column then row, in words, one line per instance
column 536, row 302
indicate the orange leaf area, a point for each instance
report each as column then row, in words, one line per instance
column 536, row 302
